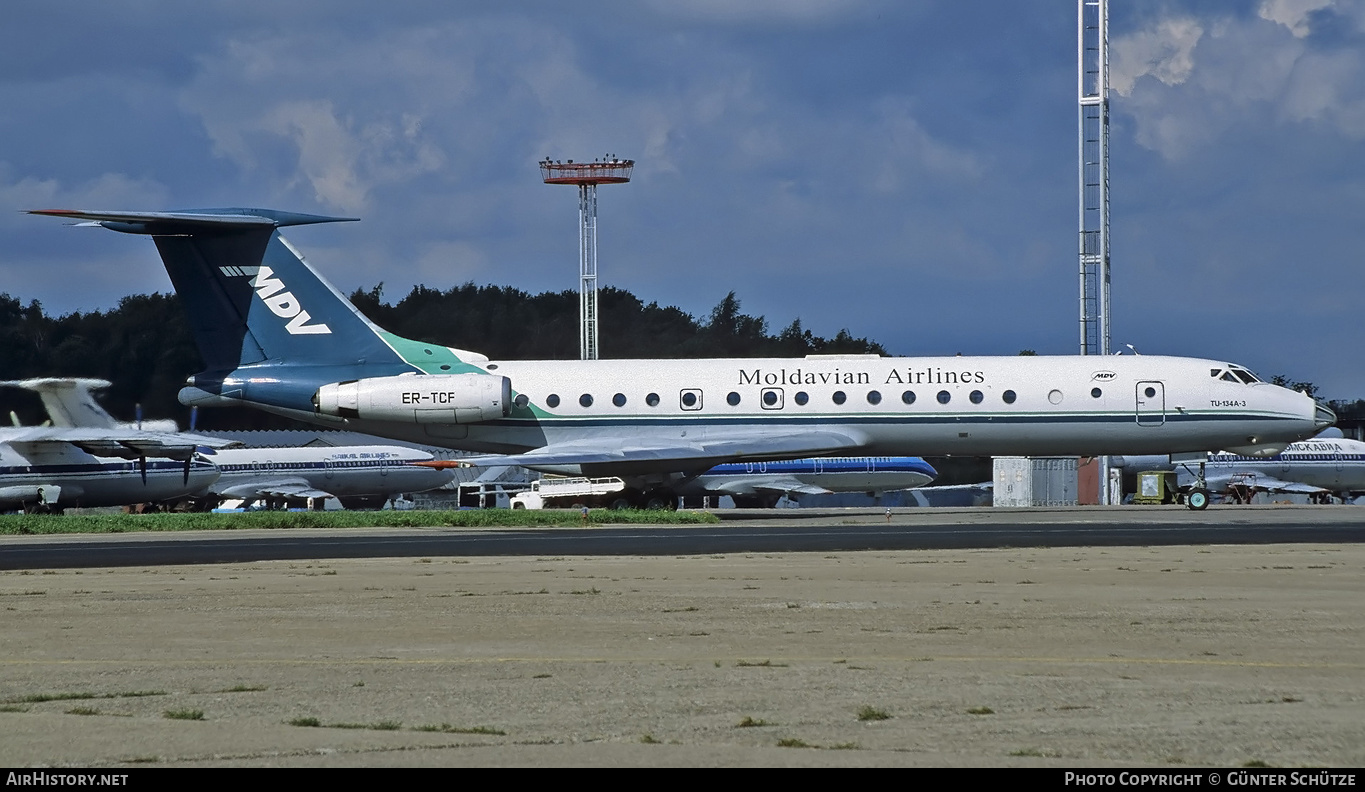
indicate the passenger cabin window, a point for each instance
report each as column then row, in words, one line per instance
column 585, row 400
column 619, row 400
column 944, row 397
column 908, row 397
column 840, row 397
column 1095, row 393
column 874, row 397
column 732, row 399
column 652, row 400
column 802, row 397
column 977, row 397
column 552, row 400
column 522, row 400
column 690, row 399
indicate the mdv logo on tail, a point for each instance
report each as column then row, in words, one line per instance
column 281, row 303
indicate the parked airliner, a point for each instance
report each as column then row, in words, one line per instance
column 1320, row 468
column 276, row 336
column 59, row 466
column 357, row 476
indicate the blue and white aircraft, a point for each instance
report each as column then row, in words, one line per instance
column 64, row 465
column 765, row 483
column 356, row 476
column 274, row 335
column 1320, row 468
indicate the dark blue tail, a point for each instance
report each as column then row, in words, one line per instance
column 253, row 303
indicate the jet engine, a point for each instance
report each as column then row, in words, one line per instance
column 418, row 398
column 1256, row 448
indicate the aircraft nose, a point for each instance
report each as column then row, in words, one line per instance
column 1324, row 417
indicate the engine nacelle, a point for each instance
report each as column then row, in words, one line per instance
column 419, row 398
column 1257, row 449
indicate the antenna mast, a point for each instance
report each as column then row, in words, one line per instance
column 1093, row 94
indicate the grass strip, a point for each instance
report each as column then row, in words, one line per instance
column 15, row 524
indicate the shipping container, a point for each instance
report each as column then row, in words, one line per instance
column 1035, row 481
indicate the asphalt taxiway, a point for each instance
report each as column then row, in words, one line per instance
column 741, row 531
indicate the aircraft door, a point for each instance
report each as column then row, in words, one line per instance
column 328, row 468
column 1151, row 403
column 383, row 466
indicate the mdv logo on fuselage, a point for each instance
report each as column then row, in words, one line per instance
column 280, row 302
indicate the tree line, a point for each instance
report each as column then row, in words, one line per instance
column 144, row 347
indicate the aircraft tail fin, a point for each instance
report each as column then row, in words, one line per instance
column 68, row 400
column 221, row 260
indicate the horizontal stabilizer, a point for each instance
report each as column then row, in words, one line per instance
column 192, row 221
column 1259, row 481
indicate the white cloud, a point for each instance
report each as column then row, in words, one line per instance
column 1218, row 74
column 1164, row 51
column 318, row 97
column 1293, row 14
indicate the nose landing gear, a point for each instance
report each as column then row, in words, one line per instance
column 1198, row 498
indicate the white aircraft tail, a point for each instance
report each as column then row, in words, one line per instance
column 69, row 401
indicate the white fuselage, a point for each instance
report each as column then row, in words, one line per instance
column 1031, row 406
column 349, row 471
column 38, row 474
column 1333, row 464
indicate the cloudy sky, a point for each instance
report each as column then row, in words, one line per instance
column 905, row 170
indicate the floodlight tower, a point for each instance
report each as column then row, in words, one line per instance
column 1093, row 93
column 587, row 175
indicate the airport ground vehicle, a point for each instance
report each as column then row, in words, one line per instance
column 572, row 492
column 1155, row 487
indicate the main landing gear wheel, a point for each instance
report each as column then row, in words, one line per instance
column 1198, row 499
column 661, row 500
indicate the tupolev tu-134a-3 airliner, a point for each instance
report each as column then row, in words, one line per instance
column 276, row 336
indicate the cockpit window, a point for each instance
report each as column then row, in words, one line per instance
column 1234, row 374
